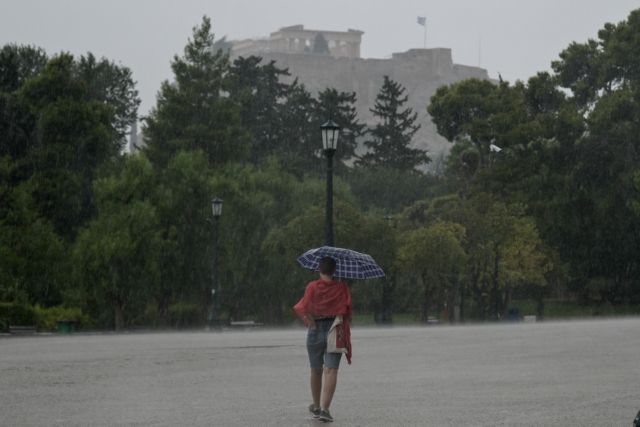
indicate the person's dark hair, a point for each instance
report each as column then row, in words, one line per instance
column 327, row 265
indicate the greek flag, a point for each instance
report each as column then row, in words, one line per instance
column 422, row 20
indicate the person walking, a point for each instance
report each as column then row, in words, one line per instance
column 324, row 300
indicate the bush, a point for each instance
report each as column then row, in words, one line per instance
column 47, row 318
column 12, row 314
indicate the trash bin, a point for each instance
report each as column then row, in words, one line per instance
column 66, row 326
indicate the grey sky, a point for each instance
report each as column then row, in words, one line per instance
column 512, row 37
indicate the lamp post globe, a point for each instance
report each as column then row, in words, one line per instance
column 216, row 209
column 330, row 134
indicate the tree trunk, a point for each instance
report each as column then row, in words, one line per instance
column 425, row 301
column 540, row 308
column 475, row 286
column 495, row 287
column 462, row 298
column 163, row 308
column 482, row 304
column 119, row 316
column 540, row 291
column 387, row 289
column 506, row 301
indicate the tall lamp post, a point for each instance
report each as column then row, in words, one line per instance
column 214, row 321
column 330, row 134
column 386, row 314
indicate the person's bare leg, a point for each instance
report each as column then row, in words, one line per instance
column 330, row 381
column 316, row 385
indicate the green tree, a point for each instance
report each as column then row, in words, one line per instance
column 320, row 45
column 61, row 120
column 117, row 256
column 182, row 196
column 113, row 85
column 192, row 112
column 33, row 258
column 300, row 145
column 527, row 263
column 259, row 90
column 302, row 115
column 597, row 229
column 18, row 64
column 391, row 190
column 435, row 255
column 74, row 134
column 391, row 138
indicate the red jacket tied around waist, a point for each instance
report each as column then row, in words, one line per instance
column 328, row 299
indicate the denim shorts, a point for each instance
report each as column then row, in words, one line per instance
column 317, row 346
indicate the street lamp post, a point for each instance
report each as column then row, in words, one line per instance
column 214, row 321
column 386, row 315
column 330, row 134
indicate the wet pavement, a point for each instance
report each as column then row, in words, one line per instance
column 581, row 373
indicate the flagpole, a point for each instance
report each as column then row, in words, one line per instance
column 422, row 20
column 425, row 33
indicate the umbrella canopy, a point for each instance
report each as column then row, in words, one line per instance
column 349, row 264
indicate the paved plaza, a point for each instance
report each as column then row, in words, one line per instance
column 581, row 373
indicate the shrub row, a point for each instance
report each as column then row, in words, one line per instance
column 44, row 319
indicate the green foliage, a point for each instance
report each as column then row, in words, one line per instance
column 435, row 255
column 182, row 196
column 47, row 318
column 525, row 259
column 391, row 138
column 392, row 189
column 192, row 112
column 33, row 259
column 13, row 314
column 300, row 144
column 113, row 85
column 567, row 157
column 469, row 102
column 259, row 90
column 320, row 45
column 117, row 255
column 263, row 200
column 184, row 315
column 72, row 132
column 18, row 64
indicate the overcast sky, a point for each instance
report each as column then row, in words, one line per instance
column 511, row 37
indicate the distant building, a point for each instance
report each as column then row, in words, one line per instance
column 296, row 39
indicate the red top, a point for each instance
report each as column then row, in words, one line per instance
column 324, row 299
column 327, row 299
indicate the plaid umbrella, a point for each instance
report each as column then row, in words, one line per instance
column 349, row 264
